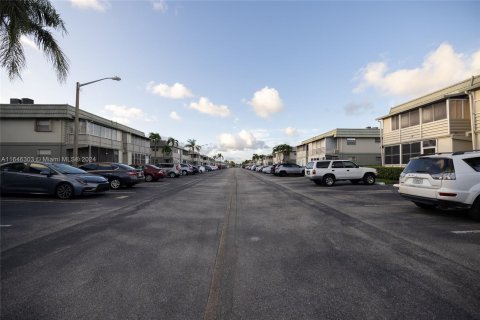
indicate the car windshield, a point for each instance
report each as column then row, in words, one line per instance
column 429, row 165
column 66, row 169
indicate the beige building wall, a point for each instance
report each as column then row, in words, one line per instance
column 476, row 118
column 18, row 131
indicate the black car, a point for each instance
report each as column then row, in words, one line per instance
column 117, row 174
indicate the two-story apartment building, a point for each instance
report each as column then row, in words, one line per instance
column 45, row 132
column 359, row 145
column 447, row 120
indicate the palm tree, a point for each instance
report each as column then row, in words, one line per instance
column 283, row 149
column 30, row 18
column 155, row 138
column 168, row 147
column 192, row 145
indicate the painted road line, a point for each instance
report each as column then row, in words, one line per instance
column 43, row 201
column 466, row 231
column 386, row 204
column 5, row 225
column 121, row 197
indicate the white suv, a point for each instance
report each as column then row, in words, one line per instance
column 328, row 171
column 444, row 180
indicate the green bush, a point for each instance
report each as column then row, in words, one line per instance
column 388, row 173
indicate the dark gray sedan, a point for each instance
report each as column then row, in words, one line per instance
column 58, row 179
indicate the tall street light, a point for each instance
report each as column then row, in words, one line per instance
column 77, row 114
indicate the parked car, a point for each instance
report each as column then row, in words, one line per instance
column 172, row 170
column 328, row 171
column 267, row 169
column 288, row 169
column 208, row 168
column 117, row 174
column 186, row 169
column 58, row 179
column 150, row 172
column 447, row 180
column 195, row 170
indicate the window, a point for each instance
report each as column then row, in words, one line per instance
column 377, row 140
column 322, row 164
column 410, row 150
column 392, row 155
column 351, row 141
column 439, row 111
column 43, row 126
column 427, row 114
column 349, row 164
column 37, row 168
column 474, row 163
column 405, row 120
column 394, row 124
column 14, row 167
column 337, row 164
column 415, row 117
column 44, row 152
column 459, row 109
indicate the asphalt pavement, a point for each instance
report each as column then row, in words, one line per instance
column 236, row 244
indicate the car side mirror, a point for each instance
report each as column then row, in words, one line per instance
column 47, row 173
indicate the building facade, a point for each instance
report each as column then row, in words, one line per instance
column 359, row 145
column 44, row 132
column 447, row 120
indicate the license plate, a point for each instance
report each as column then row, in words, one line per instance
column 417, row 181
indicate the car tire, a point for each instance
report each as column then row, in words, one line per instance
column 282, row 174
column 329, row 180
column 115, row 183
column 369, row 179
column 184, row 173
column 148, row 178
column 172, row 174
column 64, row 191
column 474, row 211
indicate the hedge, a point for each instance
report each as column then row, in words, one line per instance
column 388, row 173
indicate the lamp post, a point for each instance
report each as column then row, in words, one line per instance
column 77, row 113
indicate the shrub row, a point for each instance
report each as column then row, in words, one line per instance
column 388, row 173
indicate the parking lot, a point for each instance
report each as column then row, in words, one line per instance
column 237, row 244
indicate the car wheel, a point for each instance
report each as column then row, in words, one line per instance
column 172, row 174
column 474, row 211
column 282, row 174
column 329, row 180
column 184, row 173
column 64, row 191
column 369, row 179
column 115, row 183
column 424, row 205
column 148, row 178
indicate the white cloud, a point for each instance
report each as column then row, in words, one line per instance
column 238, row 142
column 289, row 131
column 98, row 5
column 266, row 102
column 440, row 68
column 177, row 91
column 160, row 5
column 205, row 106
column 175, row 116
column 29, row 43
column 123, row 114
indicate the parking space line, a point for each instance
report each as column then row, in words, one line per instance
column 466, row 231
column 389, row 204
column 121, row 197
column 5, row 225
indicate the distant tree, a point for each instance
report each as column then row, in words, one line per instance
column 168, row 147
column 155, row 139
column 283, row 149
column 30, row 18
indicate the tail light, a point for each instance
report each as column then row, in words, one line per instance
column 132, row 173
column 314, row 171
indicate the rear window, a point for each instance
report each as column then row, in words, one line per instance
column 309, row 165
column 474, row 163
column 322, row 164
column 430, row 165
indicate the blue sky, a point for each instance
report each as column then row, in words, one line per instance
column 243, row 76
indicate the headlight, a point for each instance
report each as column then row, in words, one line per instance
column 81, row 181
